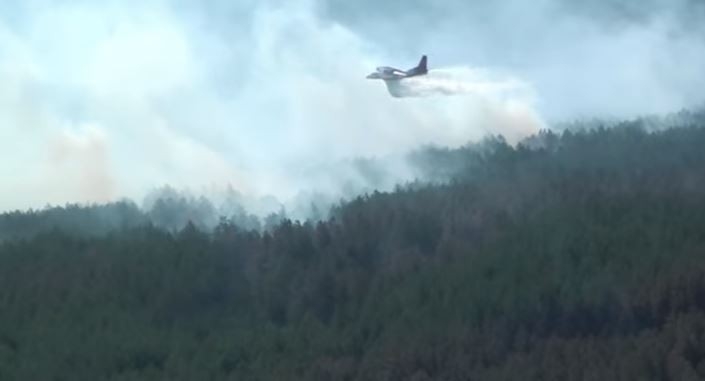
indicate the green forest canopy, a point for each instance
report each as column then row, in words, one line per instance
column 575, row 255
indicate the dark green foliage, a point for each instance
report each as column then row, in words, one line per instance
column 574, row 256
column 76, row 220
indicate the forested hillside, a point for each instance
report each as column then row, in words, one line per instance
column 577, row 255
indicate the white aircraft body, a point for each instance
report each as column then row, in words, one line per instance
column 387, row 73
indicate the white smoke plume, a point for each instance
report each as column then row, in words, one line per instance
column 102, row 100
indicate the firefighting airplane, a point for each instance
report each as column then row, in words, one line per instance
column 387, row 73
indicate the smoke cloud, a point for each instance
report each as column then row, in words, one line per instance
column 113, row 99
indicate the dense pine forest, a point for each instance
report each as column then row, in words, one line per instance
column 575, row 255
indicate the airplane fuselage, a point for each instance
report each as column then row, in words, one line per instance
column 387, row 73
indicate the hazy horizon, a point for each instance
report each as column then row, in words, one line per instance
column 111, row 100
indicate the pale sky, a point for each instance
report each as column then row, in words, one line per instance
column 102, row 100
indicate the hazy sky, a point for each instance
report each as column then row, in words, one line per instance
column 100, row 100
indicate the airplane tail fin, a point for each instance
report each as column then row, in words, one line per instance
column 421, row 68
column 422, row 64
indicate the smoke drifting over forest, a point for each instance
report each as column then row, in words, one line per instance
column 110, row 100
